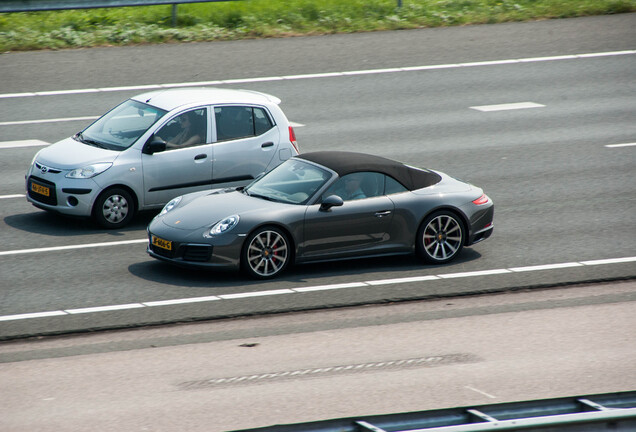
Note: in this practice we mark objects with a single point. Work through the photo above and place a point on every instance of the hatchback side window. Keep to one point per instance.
(185, 130)
(262, 122)
(234, 122)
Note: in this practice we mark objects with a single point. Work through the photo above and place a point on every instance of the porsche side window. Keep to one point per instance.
(392, 186)
(357, 186)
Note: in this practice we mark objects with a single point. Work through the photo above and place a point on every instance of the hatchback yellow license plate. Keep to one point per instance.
(163, 244)
(39, 189)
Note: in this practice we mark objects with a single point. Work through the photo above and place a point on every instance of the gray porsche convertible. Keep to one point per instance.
(323, 206)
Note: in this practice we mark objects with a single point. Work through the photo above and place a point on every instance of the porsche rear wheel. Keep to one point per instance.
(440, 237)
(266, 253)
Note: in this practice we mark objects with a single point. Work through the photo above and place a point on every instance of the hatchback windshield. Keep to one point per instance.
(293, 182)
(119, 128)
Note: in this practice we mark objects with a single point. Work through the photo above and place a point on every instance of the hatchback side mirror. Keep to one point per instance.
(331, 201)
(154, 145)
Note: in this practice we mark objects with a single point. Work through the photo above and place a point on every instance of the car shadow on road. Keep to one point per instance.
(404, 265)
(168, 274)
(52, 224)
(302, 275)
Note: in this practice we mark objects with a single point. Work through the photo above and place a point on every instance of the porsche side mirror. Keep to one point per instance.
(331, 201)
(154, 145)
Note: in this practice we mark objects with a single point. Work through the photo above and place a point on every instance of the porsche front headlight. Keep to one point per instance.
(171, 204)
(223, 226)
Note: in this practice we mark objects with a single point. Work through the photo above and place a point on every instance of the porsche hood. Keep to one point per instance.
(210, 207)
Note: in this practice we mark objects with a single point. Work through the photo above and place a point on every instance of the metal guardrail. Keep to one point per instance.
(610, 411)
(50, 5)
(7, 6)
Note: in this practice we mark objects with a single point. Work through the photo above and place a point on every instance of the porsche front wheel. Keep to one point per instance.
(266, 253)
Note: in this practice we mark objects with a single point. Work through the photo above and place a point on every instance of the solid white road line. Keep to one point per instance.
(35, 143)
(69, 247)
(104, 308)
(54, 120)
(507, 106)
(474, 273)
(12, 196)
(22, 143)
(321, 75)
(237, 296)
(32, 315)
(621, 145)
(546, 267)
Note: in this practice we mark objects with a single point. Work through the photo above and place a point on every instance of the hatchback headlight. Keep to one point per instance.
(223, 226)
(171, 204)
(89, 171)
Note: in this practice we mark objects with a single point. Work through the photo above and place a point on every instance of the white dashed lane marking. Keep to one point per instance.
(507, 106)
(621, 145)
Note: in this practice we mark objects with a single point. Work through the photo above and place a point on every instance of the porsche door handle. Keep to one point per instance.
(267, 144)
(200, 156)
(382, 213)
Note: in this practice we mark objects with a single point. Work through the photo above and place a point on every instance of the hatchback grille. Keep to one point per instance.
(43, 168)
(51, 199)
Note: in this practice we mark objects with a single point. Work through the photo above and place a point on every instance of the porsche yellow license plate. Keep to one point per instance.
(39, 189)
(163, 244)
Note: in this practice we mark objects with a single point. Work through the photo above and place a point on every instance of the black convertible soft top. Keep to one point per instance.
(347, 162)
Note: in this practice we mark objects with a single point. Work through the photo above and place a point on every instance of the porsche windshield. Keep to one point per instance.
(119, 128)
(293, 182)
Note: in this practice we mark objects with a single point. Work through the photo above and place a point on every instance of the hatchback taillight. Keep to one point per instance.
(292, 138)
(481, 200)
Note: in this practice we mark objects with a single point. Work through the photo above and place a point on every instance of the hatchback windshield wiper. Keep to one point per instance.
(88, 141)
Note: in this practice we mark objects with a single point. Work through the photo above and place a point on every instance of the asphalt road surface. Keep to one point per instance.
(560, 167)
(351, 362)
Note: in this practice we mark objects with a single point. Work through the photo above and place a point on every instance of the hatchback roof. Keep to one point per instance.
(348, 162)
(170, 99)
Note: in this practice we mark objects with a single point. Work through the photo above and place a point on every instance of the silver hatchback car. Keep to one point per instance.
(159, 145)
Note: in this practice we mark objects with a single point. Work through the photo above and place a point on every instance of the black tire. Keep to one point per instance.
(266, 253)
(440, 237)
(114, 208)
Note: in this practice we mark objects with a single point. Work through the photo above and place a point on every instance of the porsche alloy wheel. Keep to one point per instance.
(267, 253)
(441, 237)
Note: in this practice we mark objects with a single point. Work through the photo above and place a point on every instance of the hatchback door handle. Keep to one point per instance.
(267, 144)
(382, 213)
(200, 156)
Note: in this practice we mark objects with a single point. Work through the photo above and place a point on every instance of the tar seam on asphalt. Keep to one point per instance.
(430, 361)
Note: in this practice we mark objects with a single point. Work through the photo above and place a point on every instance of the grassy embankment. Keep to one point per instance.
(273, 18)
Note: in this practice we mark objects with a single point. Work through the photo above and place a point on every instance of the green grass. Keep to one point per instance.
(272, 18)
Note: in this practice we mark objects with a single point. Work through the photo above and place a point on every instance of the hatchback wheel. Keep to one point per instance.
(440, 237)
(114, 208)
(266, 253)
